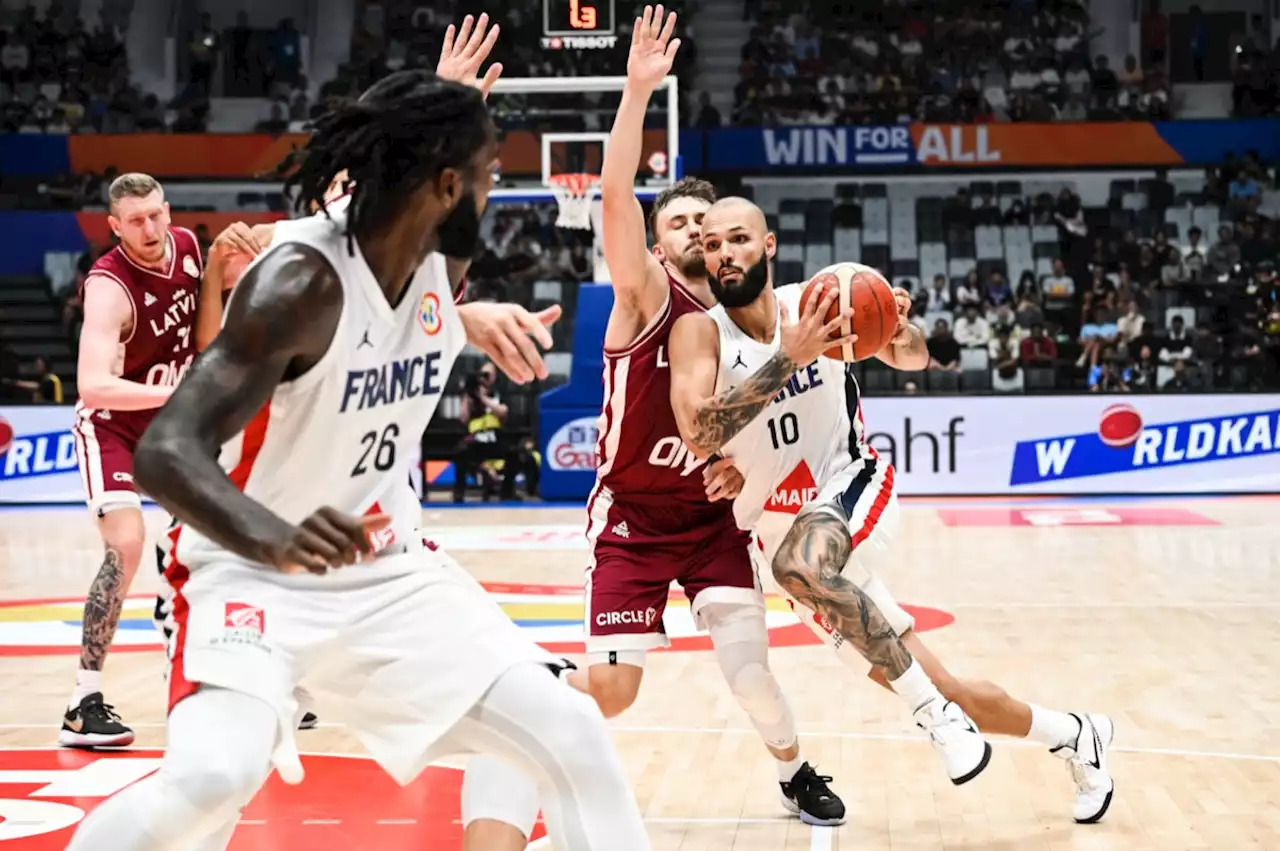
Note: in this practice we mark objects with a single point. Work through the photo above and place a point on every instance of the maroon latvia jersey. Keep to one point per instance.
(640, 456)
(161, 344)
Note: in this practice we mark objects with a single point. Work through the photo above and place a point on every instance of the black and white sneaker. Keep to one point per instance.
(93, 724)
(309, 721)
(808, 796)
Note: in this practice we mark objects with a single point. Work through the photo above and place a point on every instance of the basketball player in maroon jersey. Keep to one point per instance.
(656, 514)
(140, 303)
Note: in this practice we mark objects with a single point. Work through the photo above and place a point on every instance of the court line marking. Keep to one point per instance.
(729, 731)
(823, 839)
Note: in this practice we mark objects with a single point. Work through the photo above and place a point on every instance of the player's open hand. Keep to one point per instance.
(722, 480)
(510, 336)
(327, 539)
(903, 299)
(465, 50)
(812, 334)
(237, 238)
(652, 48)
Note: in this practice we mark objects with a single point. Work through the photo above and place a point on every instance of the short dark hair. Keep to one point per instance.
(685, 187)
(401, 133)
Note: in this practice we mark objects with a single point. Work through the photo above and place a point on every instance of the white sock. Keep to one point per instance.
(87, 682)
(1053, 728)
(787, 769)
(915, 687)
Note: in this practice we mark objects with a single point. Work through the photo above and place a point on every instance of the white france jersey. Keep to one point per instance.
(811, 431)
(346, 433)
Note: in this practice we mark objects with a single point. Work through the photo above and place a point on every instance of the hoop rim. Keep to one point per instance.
(574, 183)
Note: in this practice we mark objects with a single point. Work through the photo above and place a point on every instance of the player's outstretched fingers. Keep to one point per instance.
(505, 354)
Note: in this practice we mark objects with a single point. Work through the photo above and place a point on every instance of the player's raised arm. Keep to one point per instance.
(635, 272)
(710, 420)
(108, 312)
(263, 341)
(908, 350)
(464, 50)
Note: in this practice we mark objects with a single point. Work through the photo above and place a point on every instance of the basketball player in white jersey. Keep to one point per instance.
(300, 562)
(749, 385)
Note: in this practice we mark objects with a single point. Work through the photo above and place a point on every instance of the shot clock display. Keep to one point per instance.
(566, 18)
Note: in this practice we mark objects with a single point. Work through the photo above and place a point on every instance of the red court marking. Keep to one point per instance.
(352, 794)
(1055, 517)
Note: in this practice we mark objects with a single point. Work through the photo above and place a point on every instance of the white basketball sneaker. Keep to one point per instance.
(1087, 759)
(956, 737)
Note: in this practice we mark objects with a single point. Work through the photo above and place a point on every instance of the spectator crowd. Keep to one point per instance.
(889, 61)
(1132, 308)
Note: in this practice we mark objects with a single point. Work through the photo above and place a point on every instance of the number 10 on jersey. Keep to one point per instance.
(784, 430)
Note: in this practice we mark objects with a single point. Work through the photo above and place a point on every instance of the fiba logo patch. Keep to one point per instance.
(429, 314)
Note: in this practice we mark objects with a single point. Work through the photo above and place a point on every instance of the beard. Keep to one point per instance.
(693, 264)
(746, 291)
(459, 233)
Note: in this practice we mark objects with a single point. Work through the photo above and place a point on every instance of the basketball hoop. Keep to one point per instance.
(573, 192)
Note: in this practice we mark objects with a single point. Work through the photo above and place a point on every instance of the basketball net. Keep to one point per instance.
(574, 191)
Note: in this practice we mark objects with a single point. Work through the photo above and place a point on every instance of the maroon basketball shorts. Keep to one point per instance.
(105, 453)
(638, 550)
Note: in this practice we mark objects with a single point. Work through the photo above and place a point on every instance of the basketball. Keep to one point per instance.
(875, 311)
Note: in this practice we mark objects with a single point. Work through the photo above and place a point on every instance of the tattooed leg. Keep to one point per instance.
(808, 567)
(102, 610)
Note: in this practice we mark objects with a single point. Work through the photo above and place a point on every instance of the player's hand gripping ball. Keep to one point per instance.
(875, 310)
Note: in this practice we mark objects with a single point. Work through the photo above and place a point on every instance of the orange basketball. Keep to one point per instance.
(875, 312)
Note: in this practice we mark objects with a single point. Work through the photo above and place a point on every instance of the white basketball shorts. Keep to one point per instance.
(398, 649)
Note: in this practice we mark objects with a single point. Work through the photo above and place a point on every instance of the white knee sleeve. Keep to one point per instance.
(219, 754)
(741, 640)
(496, 790)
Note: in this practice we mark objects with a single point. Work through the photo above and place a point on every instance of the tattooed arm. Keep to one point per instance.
(807, 566)
(708, 420)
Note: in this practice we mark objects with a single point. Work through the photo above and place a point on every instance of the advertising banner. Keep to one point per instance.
(1048, 445)
(987, 146)
(1011, 446)
(939, 445)
(40, 462)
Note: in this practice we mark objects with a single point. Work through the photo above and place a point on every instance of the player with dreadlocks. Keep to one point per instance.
(300, 563)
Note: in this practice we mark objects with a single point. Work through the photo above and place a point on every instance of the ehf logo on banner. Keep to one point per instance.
(1124, 443)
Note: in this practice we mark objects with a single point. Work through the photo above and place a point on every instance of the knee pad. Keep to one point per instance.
(495, 790)
(741, 640)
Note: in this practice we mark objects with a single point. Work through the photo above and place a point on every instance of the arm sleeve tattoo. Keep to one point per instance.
(807, 566)
(721, 417)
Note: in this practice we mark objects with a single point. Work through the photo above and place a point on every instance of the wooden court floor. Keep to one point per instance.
(1163, 614)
